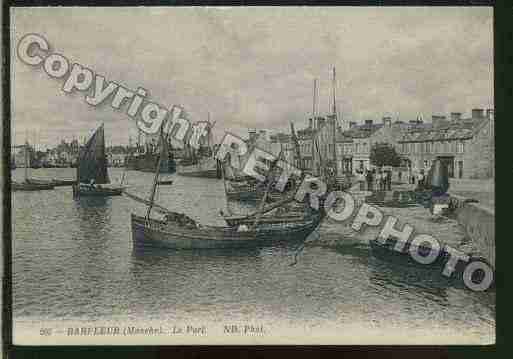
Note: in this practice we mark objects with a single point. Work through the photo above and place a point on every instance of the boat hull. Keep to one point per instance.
(165, 182)
(157, 234)
(96, 192)
(55, 183)
(31, 186)
(234, 221)
(207, 169)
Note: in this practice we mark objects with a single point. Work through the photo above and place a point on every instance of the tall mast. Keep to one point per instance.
(335, 121)
(269, 179)
(314, 164)
(157, 172)
(314, 100)
(209, 144)
(26, 155)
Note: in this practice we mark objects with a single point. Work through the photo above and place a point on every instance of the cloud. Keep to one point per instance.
(254, 67)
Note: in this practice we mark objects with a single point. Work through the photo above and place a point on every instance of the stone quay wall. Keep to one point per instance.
(479, 224)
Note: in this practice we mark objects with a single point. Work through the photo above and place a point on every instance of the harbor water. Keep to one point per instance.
(73, 261)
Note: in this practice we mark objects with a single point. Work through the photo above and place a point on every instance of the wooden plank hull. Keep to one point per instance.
(206, 169)
(55, 182)
(96, 192)
(15, 186)
(191, 172)
(233, 221)
(244, 195)
(159, 234)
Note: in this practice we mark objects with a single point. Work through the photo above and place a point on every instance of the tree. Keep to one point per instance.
(384, 154)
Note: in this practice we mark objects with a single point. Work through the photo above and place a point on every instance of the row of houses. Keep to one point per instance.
(65, 154)
(466, 145)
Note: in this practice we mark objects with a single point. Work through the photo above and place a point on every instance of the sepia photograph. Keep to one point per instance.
(252, 175)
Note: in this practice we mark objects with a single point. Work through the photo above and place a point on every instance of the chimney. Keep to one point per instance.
(489, 113)
(252, 135)
(368, 122)
(310, 123)
(387, 121)
(455, 116)
(477, 113)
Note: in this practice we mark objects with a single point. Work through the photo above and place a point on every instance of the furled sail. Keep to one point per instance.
(92, 164)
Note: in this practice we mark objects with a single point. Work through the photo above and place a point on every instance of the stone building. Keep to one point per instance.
(466, 145)
(361, 136)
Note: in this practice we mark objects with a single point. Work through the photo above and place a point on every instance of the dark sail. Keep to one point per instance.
(92, 163)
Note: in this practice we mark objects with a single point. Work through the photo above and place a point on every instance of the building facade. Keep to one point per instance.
(466, 145)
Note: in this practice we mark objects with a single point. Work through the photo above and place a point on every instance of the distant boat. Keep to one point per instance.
(29, 184)
(200, 162)
(204, 167)
(145, 162)
(92, 170)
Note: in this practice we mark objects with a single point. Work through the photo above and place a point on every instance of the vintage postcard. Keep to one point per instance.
(252, 175)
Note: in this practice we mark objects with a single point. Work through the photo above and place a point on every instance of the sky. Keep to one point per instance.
(254, 67)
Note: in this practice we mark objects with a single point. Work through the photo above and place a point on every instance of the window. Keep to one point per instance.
(461, 147)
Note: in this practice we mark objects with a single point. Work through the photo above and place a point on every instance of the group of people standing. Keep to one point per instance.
(374, 180)
(418, 178)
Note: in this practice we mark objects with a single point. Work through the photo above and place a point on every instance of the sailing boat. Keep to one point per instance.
(55, 182)
(145, 161)
(92, 169)
(201, 163)
(28, 184)
(178, 231)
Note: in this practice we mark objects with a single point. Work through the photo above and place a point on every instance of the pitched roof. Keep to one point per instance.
(448, 130)
(362, 131)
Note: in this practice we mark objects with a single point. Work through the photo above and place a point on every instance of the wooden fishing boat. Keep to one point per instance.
(387, 252)
(238, 220)
(177, 231)
(200, 162)
(165, 182)
(203, 167)
(92, 173)
(28, 184)
(24, 186)
(54, 182)
(145, 162)
(175, 235)
(243, 191)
